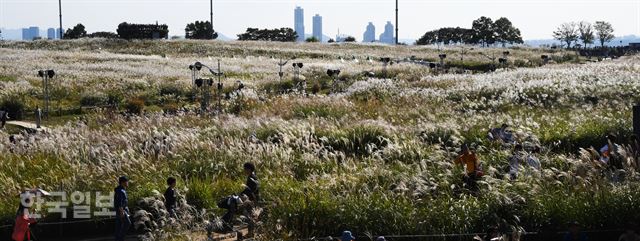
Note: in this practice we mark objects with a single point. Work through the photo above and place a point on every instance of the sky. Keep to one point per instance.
(537, 19)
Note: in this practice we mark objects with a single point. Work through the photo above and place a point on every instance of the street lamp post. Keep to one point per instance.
(397, 22)
(60, 11)
(46, 75)
(212, 16)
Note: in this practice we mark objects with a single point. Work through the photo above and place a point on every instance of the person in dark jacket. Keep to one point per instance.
(575, 234)
(170, 197)
(4, 116)
(252, 189)
(120, 204)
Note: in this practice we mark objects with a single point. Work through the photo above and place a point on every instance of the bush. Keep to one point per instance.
(14, 106)
(93, 99)
(135, 106)
(172, 90)
(114, 98)
(358, 141)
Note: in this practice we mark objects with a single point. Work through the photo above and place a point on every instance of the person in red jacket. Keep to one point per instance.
(23, 220)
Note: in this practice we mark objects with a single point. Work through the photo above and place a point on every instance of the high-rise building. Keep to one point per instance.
(299, 23)
(58, 33)
(30, 33)
(317, 27)
(388, 35)
(51, 33)
(369, 35)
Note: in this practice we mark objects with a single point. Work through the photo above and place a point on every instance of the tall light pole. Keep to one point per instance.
(60, 11)
(212, 16)
(396, 22)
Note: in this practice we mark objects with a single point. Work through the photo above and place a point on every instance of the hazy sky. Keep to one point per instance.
(536, 18)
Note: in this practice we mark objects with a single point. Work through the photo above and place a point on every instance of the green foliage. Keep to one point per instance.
(312, 40)
(484, 31)
(278, 86)
(78, 31)
(279, 35)
(356, 141)
(107, 35)
(14, 107)
(322, 111)
(200, 30)
(93, 99)
(130, 31)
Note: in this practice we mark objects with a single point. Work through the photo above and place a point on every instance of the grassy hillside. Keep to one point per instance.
(374, 157)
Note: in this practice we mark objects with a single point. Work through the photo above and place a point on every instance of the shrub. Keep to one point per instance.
(114, 98)
(172, 90)
(135, 106)
(278, 86)
(93, 99)
(358, 141)
(14, 106)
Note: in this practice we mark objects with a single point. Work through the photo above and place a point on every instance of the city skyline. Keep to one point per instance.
(527, 15)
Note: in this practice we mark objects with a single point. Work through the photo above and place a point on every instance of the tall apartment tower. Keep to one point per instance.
(369, 35)
(317, 27)
(299, 23)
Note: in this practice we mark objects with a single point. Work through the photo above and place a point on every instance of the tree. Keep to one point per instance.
(483, 31)
(331, 40)
(566, 33)
(280, 35)
(200, 30)
(506, 33)
(586, 33)
(428, 38)
(76, 32)
(103, 35)
(312, 40)
(143, 31)
(604, 31)
(349, 39)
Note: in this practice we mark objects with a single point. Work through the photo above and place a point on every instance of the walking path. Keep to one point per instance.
(27, 125)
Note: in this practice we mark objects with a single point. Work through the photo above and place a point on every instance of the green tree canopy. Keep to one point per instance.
(506, 33)
(483, 31)
(279, 35)
(200, 30)
(76, 32)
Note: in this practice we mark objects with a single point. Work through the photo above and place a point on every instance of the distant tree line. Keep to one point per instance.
(484, 31)
(584, 33)
(278, 35)
(143, 31)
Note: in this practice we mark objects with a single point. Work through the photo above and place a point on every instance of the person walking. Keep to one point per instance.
(252, 185)
(120, 202)
(170, 196)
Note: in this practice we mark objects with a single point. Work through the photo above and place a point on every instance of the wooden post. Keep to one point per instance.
(636, 120)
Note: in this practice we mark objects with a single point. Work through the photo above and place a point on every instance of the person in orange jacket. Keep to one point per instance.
(473, 169)
(23, 219)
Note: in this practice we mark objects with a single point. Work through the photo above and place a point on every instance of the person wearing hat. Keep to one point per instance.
(346, 236)
(120, 204)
